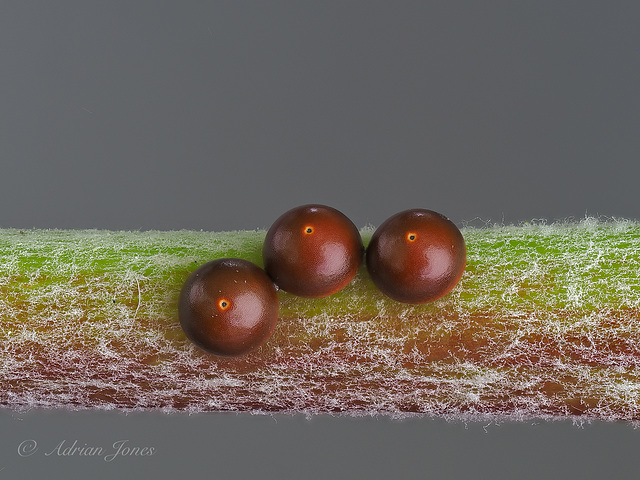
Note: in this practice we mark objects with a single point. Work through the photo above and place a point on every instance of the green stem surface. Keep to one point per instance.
(544, 324)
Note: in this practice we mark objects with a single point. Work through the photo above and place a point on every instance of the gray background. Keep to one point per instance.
(222, 115)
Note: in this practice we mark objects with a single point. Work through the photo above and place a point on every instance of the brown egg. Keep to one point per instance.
(312, 251)
(416, 256)
(228, 307)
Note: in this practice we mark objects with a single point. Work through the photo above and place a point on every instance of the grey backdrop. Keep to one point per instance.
(222, 115)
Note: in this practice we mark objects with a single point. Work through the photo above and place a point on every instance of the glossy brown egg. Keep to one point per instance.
(416, 256)
(312, 251)
(228, 307)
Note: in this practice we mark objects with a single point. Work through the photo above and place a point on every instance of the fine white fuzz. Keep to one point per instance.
(545, 323)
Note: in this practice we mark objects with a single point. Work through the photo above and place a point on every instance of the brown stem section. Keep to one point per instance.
(458, 366)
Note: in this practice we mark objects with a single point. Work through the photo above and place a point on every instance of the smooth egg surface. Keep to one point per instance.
(312, 251)
(416, 256)
(228, 307)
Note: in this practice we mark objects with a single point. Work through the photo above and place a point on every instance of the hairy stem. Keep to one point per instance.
(543, 324)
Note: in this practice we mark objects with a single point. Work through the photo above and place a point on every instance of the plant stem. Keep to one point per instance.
(543, 324)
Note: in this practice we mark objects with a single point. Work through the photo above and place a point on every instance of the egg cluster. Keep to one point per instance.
(230, 306)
